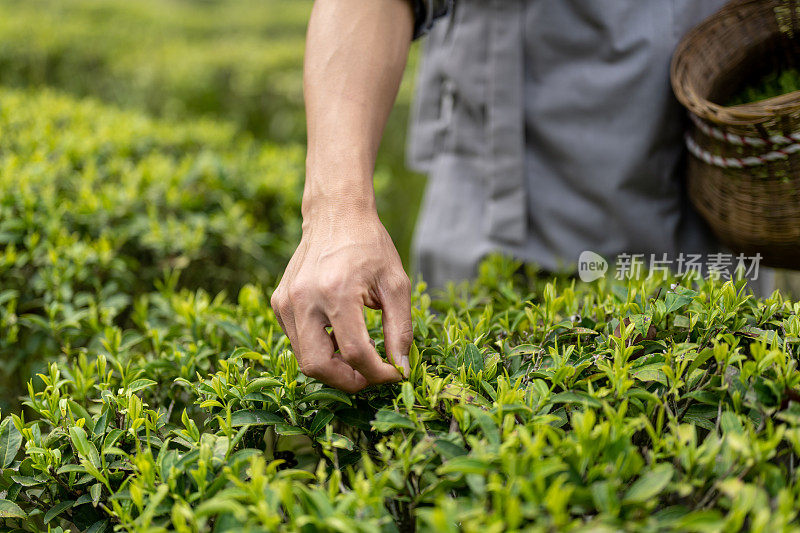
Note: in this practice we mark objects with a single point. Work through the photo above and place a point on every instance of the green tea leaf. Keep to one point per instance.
(340, 441)
(57, 509)
(98, 527)
(82, 445)
(140, 384)
(650, 484)
(28, 481)
(254, 418)
(11, 510)
(576, 397)
(730, 423)
(464, 465)
(448, 450)
(10, 441)
(679, 298)
(473, 359)
(321, 419)
(407, 391)
(386, 421)
(261, 383)
(462, 393)
(288, 430)
(327, 394)
(96, 491)
(651, 372)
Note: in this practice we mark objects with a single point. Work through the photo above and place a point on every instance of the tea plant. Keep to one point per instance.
(96, 204)
(238, 62)
(536, 404)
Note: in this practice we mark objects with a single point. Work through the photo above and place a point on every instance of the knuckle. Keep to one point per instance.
(332, 285)
(284, 309)
(352, 351)
(406, 335)
(400, 284)
(277, 302)
(297, 292)
(311, 369)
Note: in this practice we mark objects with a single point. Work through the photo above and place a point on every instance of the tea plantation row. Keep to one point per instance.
(240, 62)
(97, 205)
(527, 408)
(163, 405)
(135, 263)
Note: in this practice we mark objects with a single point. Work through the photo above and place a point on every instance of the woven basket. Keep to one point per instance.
(744, 171)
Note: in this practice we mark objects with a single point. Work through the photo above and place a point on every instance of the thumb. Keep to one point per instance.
(398, 331)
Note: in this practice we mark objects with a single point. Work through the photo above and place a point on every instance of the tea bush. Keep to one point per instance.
(532, 404)
(97, 204)
(241, 62)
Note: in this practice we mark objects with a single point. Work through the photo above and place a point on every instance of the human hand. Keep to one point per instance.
(345, 261)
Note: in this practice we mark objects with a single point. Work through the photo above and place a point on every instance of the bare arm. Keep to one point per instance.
(356, 52)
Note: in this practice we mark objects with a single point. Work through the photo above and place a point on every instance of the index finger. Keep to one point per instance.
(398, 330)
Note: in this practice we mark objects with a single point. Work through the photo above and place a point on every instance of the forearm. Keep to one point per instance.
(356, 53)
(355, 56)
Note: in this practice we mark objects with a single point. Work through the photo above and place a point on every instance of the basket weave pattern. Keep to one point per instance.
(752, 209)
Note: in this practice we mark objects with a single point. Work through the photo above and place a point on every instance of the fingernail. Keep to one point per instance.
(406, 364)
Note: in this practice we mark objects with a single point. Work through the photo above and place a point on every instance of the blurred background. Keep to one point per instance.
(234, 61)
(237, 62)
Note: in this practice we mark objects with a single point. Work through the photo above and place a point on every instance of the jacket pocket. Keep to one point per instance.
(464, 92)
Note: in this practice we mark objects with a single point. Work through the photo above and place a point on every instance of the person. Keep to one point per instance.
(546, 127)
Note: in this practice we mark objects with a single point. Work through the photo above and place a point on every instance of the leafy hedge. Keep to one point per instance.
(240, 62)
(97, 205)
(533, 404)
(528, 407)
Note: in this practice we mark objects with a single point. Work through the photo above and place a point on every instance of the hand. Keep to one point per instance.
(345, 261)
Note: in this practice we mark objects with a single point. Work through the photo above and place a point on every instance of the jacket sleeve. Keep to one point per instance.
(426, 12)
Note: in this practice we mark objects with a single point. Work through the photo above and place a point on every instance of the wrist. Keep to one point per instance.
(332, 205)
(342, 200)
(337, 188)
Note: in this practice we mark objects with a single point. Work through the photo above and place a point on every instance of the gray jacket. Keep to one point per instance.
(548, 127)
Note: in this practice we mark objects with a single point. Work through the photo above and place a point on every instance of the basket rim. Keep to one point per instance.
(750, 114)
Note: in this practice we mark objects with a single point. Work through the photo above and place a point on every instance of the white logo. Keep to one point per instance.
(591, 267)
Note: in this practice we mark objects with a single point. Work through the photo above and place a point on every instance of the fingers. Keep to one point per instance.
(336, 344)
(315, 356)
(284, 316)
(398, 331)
(306, 302)
(355, 347)
(315, 348)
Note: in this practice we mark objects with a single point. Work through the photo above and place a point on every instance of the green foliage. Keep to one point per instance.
(97, 204)
(526, 409)
(162, 405)
(776, 83)
(238, 61)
